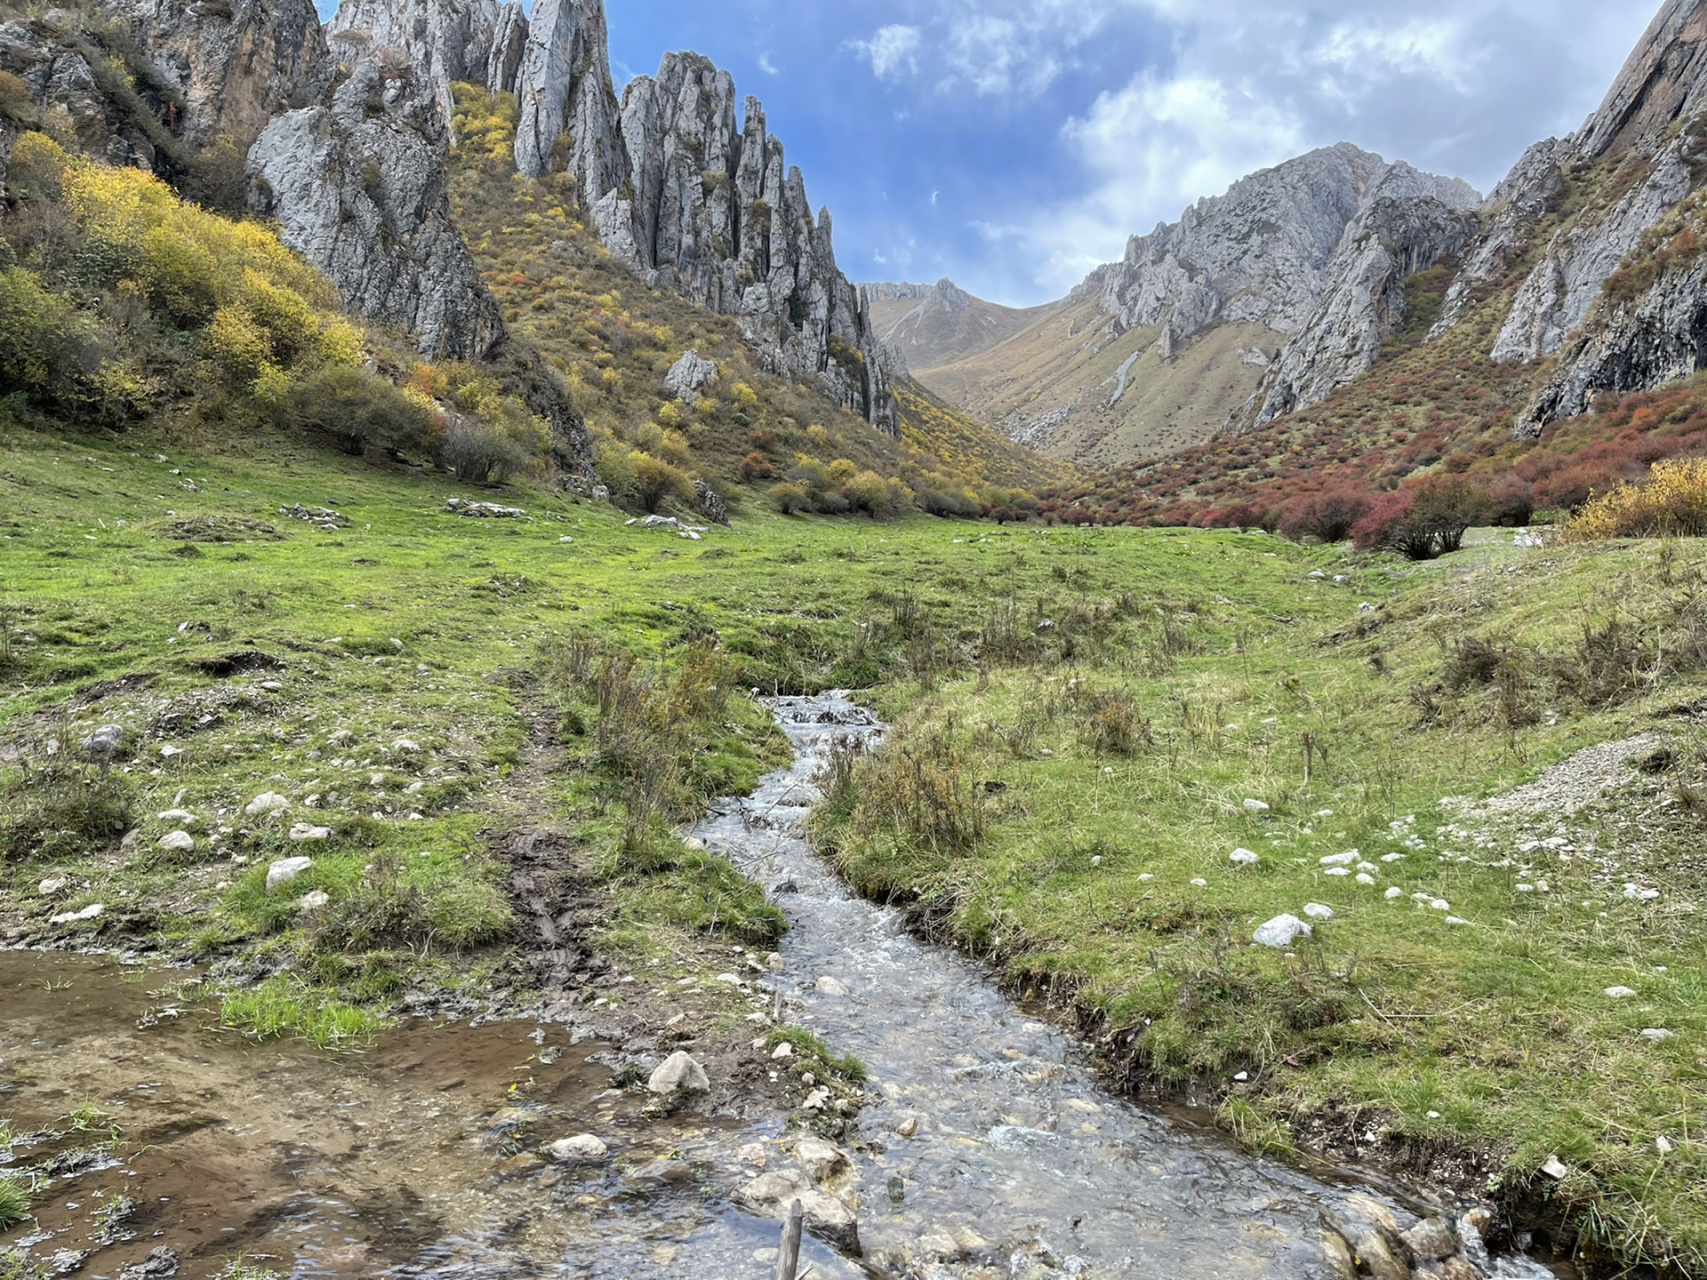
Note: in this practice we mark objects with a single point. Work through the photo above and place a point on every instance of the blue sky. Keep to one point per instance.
(1014, 144)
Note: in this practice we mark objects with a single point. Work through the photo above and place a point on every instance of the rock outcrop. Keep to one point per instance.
(479, 41)
(1261, 253)
(1393, 238)
(234, 64)
(565, 84)
(358, 187)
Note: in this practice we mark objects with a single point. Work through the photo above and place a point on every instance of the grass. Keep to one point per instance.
(14, 1202)
(1085, 710)
(1095, 870)
(286, 1007)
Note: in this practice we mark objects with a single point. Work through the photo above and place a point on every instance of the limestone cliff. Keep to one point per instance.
(479, 41)
(358, 187)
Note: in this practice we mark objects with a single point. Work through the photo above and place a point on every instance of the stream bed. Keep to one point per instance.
(399, 1161)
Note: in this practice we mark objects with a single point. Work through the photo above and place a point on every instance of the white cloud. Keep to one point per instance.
(767, 66)
(891, 50)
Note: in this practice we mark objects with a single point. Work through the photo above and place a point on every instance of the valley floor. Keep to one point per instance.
(1088, 725)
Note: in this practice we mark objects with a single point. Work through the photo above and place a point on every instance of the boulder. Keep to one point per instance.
(690, 376)
(302, 831)
(105, 741)
(676, 1073)
(359, 188)
(772, 1195)
(177, 842)
(821, 1160)
(582, 1149)
(285, 870)
(1281, 932)
(1431, 1239)
(268, 802)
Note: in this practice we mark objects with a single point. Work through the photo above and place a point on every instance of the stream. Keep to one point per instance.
(1020, 1162)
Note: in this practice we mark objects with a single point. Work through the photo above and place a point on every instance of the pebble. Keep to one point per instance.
(583, 1148)
(404, 746)
(832, 986)
(1395, 893)
(1244, 858)
(177, 842)
(1256, 806)
(308, 831)
(908, 1128)
(170, 753)
(678, 1071)
(1341, 859)
(178, 817)
(782, 1052)
(1620, 993)
(314, 900)
(1365, 878)
(1316, 911)
(52, 885)
(1201, 884)
(1658, 1035)
(1555, 1168)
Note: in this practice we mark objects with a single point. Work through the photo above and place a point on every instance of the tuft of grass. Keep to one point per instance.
(14, 1201)
(286, 1007)
(239, 1268)
(813, 1055)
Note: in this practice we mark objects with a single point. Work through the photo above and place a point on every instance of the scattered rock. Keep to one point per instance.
(67, 1262)
(820, 1160)
(582, 1149)
(754, 1154)
(782, 1052)
(832, 986)
(177, 842)
(160, 1262)
(1338, 1256)
(1431, 1239)
(1555, 1168)
(772, 1194)
(1620, 993)
(53, 884)
(1341, 859)
(265, 803)
(678, 1072)
(313, 900)
(1243, 858)
(170, 753)
(482, 510)
(909, 1127)
(817, 1100)
(1316, 911)
(94, 911)
(105, 741)
(1379, 1259)
(179, 818)
(285, 870)
(308, 831)
(405, 747)
(1394, 894)
(1282, 931)
(1658, 1035)
(1256, 806)
(321, 517)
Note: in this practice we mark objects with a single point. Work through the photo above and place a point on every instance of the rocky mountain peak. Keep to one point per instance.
(479, 41)
(1663, 80)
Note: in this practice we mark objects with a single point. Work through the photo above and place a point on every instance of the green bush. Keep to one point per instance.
(43, 341)
(655, 480)
(480, 455)
(63, 809)
(361, 411)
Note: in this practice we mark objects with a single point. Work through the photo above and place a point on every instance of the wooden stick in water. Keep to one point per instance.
(788, 1261)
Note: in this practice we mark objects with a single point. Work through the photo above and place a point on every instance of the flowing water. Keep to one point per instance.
(389, 1162)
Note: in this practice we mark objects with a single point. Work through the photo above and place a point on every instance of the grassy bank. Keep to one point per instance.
(1082, 715)
(1076, 822)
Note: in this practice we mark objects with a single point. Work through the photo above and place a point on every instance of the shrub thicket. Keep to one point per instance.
(1671, 503)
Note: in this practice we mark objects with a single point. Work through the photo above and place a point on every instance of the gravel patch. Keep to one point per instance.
(1574, 784)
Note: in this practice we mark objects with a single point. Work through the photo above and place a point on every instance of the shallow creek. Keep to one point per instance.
(386, 1162)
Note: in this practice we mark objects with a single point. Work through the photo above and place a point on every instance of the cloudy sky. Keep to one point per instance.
(1015, 144)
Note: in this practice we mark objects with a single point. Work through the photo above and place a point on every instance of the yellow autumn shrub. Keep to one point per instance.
(1671, 503)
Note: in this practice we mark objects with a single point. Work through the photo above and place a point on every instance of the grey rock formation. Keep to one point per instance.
(1663, 80)
(359, 189)
(1262, 252)
(1577, 264)
(565, 83)
(689, 376)
(479, 41)
(1363, 304)
(711, 210)
(236, 64)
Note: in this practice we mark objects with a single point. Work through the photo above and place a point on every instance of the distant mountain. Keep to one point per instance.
(929, 325)
(1156, 352)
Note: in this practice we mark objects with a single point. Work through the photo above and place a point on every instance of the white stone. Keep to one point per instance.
(94, 911)
(1395, 893)
(1366, 879)
(820, 1160)
(1439, 904)
(1316, 911)
(1282, 931)
(1662, 1145)
(753, 1154)
(1256, 806)
(832, 986)
(1201, 884)
(1341, 859)
(782, 1052)
(285, 870)
(177, 842)
(678, 1072)
(1244, 858)
(584, 1148)
(1658, 1035)
(1337, 871)
(265, 803)
(179, 817)
(313, 900)
(404, 746)
(308, 831)
(169, 753)
(1392, 857)
(1555, 1168)
(52, 885)
(1620, 993)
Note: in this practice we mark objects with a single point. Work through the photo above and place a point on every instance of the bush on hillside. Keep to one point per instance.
(480, 455)
(1672, 503)
(1329, 516)
(1423, 521)
(361, 412)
